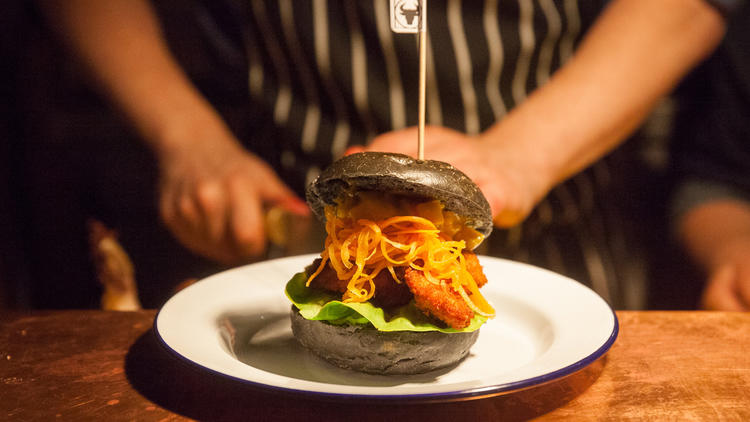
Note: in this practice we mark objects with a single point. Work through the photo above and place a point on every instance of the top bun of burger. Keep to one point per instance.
(399, 174)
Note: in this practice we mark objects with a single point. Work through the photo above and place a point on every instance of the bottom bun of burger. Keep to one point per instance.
(365, 349)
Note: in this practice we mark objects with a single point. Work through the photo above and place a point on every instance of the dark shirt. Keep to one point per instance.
(711, 146)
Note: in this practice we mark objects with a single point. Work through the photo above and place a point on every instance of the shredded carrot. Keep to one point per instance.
(359, 248)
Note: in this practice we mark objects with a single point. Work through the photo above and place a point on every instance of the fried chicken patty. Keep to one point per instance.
(437, 301)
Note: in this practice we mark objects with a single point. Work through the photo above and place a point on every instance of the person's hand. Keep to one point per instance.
(511, 187)
(717, 235)
(728, 286)
(212, 197)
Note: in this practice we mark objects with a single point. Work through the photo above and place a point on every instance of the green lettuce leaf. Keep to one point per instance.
(314, 304)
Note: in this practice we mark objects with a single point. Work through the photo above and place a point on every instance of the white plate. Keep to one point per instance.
(547, 326)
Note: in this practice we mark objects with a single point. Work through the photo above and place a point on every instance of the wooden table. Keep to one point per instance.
(96, 365)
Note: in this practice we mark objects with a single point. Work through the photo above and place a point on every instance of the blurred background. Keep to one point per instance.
(69, 162)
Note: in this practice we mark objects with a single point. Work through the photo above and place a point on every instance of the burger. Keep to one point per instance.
(396, 287)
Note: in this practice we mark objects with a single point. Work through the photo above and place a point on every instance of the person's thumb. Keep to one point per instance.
(354, 149)
(504, 214)
(274, 193)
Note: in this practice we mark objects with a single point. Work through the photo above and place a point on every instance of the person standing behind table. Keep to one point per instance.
(330, 74)
(711, 150)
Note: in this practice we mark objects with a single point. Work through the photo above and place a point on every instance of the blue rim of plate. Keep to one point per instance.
(447, 396)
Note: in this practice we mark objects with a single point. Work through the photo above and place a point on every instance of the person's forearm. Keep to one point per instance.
(121, 42)
(635, 54)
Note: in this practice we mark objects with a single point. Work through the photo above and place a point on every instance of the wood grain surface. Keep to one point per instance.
(98, 365)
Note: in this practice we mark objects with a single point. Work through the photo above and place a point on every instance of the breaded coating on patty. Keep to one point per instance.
(439, 301)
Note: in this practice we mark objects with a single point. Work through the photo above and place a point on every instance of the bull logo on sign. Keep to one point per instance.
(409, 14)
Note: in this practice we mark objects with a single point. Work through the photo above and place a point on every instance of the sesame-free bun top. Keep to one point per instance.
(400, 174)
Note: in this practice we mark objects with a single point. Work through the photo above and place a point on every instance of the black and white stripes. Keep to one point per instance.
(483, 59)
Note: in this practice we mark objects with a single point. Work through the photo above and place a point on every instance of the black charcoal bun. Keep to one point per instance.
(400, 174)
(365, 349)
